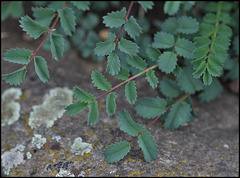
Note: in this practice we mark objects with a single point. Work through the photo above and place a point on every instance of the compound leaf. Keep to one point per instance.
(169, 88)
(146, 4)
(93, 113)
(171, 7)
(82, 5)
(185, 48)
(75, 108)
(131, 92)
(151, 78)
(163, 40)
(106, 47)
(148, 146)
(115, 19)
(127, 125)
(122, 74)
(137, 62)
(179, 114)
(15, 77)
(31, 27)
(132, 27)
(201, 51)
(167, 62)
(68, 20)
(43, 15)
(150, 107)
(128, 47)
(207, 78)
(100, 81)
(83, 96)
(153, 53)
(200, 70)
(116, 151)
(113, 66)
(20, 56)
(187, 25)
(41, 68)
(111, 103)
(57, 46)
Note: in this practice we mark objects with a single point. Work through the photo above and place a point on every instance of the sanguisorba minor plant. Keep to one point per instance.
(192, 49)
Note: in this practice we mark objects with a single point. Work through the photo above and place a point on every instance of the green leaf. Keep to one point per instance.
(224, 30)
(170, 25)
(128, 47)
(152, 79)
(15, 77)
(41, 68)
(132, 27)
(123, 74)
(171, 7)
(131, 92)
(211, 92)
(146, 4)
(31, 27)
(220, 53)
(116, 151)
(111, 103)
(83, 96)
(213, 69)
(201, 41)
(20, 56)
(167, 62)
(137, 62)
(150, 107)
(106, 47)
(169, 88)
(153, 53)
(201, 69)
(127, 125)
(82, 5)
(57, 46)
(113, 66)
(100, 81)
(185, 48)
(43, 15)
(222, 41)
(75, 108)
(163, 40)
(201, 52)
(206, 29)
(115, 19)
(207, 78)
(187, 83)
(148, 146)
(187, 25)
(93, 113)
(68, 20)
(179, 114)
(210, 18)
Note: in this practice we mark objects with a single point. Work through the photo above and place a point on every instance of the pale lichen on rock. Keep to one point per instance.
(10, 109)
(80, 148)
(64, 173)
(38, 140)
(52, 108)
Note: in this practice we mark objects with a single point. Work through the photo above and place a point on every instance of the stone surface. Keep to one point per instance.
(208, 146)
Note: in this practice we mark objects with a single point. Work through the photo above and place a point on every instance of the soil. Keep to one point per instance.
(208, 146)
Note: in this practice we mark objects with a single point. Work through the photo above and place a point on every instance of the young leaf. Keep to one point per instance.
(68, 20)
(115, 19)
(185, 48)
(131, 92)
(113, 66)
(123, 74)
(106, 47)
(111, 103)
(100, 81)
(127, 125)
(187, 83)
(200, 70)
(150, 107)
(31, 27)
(137, 62)
(57, 46)
(207, 78)
(171, 7)
(132, 27)
(20, 56)
(146, 4)
(148, 146)
(163, 40)
(82, 5)
(179, 114)
(93, 113)
(43, 15)
(75, 108)
(153, 53)
(83, 96)
(152, 79)
(167, 62)
(116, 151)
(128, 47)
(169, 88)
(200, 52)
(187, 25)
(41, 68)
(15, 77)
